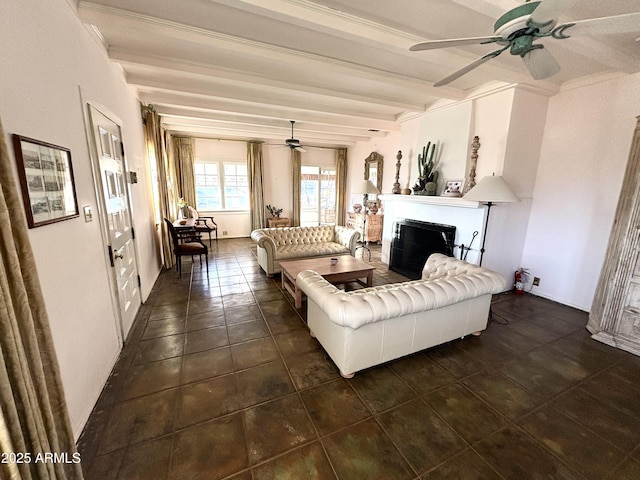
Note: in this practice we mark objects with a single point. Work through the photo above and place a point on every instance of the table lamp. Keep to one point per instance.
(366, 188)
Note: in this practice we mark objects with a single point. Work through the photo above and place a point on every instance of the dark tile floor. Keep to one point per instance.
(220, 380)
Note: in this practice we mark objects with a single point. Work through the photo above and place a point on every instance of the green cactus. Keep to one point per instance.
(427, 174)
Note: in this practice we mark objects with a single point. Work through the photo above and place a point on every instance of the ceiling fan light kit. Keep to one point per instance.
(520, 27)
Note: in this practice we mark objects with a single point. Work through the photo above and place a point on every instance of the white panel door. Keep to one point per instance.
(114, 194)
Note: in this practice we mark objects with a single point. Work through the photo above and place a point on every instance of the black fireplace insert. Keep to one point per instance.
(414, 240)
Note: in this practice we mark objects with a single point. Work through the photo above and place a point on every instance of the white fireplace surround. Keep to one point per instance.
(503, 248)
(467, 216)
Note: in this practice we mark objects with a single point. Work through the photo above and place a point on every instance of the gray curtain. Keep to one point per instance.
(155, 142)
(341, 185)
(256, 191)
(184, 157)
(33, 411)
(296, 171)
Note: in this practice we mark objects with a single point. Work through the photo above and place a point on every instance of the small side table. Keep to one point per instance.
(278, 222)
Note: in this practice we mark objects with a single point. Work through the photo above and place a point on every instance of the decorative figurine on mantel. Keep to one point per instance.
(396, 185)
(471, 182)
(427, 174)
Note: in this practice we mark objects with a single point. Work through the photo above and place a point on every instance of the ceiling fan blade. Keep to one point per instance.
(453, 42)
(300, 149)
(603, 26)
(550, 10)
(541, 63)
(469, 67)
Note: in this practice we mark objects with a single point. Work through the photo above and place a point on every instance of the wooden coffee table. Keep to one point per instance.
(348, 269)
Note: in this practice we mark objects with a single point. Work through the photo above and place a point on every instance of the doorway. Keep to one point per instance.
(317, 196)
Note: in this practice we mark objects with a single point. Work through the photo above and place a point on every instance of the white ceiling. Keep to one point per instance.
(241, 69)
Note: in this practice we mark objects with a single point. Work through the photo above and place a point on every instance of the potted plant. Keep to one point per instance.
(274, 212)
(428, 175)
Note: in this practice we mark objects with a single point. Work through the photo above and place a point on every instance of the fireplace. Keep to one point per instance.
(414, 240)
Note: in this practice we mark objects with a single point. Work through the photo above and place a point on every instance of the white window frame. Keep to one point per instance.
(221, 162)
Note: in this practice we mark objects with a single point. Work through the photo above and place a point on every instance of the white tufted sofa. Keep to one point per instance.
(366, 327)
(275, 245)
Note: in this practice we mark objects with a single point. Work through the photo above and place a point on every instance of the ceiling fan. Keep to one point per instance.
(519, 28)
(293, 143)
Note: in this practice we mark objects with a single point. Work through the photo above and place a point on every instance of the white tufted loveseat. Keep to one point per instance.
(275, 245)
(366, 327)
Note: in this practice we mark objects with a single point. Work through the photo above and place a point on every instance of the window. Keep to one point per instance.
(236, 186)
(317, 196)
(221, 185)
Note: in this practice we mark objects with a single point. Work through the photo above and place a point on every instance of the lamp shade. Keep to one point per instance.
(366, 187)
(491, 189)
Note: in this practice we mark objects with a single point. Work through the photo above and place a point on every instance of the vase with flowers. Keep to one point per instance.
(182, 209)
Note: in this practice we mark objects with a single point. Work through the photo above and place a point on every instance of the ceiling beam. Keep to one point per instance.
(281, 126)
(258, 131)
(159, 97)
(100, 15)
(257, 100)
(211, 72)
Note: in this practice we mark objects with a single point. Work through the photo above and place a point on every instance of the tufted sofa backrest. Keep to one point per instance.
(448, 281)
(301, 235)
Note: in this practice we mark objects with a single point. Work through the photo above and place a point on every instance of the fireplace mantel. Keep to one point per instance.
(430, 200)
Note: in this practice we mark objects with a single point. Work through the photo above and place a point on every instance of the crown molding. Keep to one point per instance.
(591, 80)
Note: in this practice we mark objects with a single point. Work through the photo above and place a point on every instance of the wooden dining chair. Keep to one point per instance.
(204, 224)
(187, 243)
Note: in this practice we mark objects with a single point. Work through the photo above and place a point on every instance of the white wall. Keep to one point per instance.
(585, 149)
(513, 152)
(449, 128)
(47, 58)
(278, 179)
(387, 147)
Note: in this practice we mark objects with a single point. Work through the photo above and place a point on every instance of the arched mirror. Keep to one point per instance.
(373, 169)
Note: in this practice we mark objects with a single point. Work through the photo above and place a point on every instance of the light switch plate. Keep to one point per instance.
(88, 215)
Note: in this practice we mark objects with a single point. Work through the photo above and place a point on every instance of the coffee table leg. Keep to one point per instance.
(370, 279)
(298, 297)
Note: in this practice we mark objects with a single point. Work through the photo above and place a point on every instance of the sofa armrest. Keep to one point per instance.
(347, 237)
(265, 241)
(439, 265)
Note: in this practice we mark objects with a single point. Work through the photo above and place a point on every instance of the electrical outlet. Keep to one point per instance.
(224, 232)
(536, 281)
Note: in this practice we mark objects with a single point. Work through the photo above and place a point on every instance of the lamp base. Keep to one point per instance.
(364, 247)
